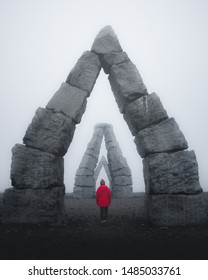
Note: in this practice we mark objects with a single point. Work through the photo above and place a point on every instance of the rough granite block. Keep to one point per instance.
(106, 41)
(163, 137)
(50, 132)
(144, 112)
(113, 58)
(85, 72)
(34, 169)
(69, 100)
(79, 192)
(171, 173)
(126, 83)
(33, 206)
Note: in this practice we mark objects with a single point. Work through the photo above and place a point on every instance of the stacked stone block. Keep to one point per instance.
(84, 179)
(116, 168)
(119, 170)
(37, 169)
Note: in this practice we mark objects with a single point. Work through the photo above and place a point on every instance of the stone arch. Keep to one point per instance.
(102, 164)
(170, 170)
(119, 171)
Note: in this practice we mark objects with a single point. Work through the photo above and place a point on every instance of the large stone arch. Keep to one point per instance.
(170, 170)
(119, 171)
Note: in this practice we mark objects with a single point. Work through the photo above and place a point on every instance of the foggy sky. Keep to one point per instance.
(42, 40)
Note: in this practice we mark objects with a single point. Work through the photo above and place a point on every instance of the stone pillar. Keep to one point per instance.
(169, 169)
(119, 170)
(84, 179)
(37, 170)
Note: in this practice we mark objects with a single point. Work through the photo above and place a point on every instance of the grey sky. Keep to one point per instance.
(41, 40)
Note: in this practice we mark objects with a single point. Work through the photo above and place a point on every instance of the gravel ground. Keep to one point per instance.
(124, 236)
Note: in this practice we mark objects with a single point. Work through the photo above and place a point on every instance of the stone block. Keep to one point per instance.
(50, 132)
(125, 171)
(79, 192)
(144, 112)
(122, 191)
(35, 169)
(93, 148)
(84, 181)
(34, 206)
(171, 173)
(113, 58)
(163, 137)
(106, 41)
(178, 210)
(88, 162)
(84, 172)
(98, 132)
(85, 72)
(116, 160)
(69, 100)
(126, 84)
(122, 180)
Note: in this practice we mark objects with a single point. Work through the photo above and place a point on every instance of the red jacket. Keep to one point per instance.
(103, 196)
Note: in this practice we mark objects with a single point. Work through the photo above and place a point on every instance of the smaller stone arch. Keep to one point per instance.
(103, 163)
(119, 171)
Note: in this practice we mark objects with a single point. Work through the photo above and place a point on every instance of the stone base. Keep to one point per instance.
(34, 206)
(178, 210)
(122, 191)
(171, 173)
(83, 192)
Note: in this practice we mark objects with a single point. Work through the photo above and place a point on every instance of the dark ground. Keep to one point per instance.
(125, 236)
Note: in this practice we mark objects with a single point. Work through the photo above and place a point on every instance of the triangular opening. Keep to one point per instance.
(102, 175)
(101, 107)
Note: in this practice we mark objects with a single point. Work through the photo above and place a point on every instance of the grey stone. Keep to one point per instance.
(171, 173)
(122, 191)
(116, 160)
(98, 132)
(178, 210)
(34, 206)
(70, 101)
(122, 180)
(84, 172)
(84, 181)
(126, 84)
(106, 41)
(88, 162)
(50, 132)
(113, 58)
(93, 148)
(79, 192)
(85, 72)
(163, 137)
(144, 112)
(125, 171)
(34, 169)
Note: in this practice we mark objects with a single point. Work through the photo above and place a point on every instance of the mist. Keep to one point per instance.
(42, 40)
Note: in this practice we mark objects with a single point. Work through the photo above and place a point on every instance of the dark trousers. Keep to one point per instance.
(103, 213)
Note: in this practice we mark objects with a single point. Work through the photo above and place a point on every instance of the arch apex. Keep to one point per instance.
(106, 41)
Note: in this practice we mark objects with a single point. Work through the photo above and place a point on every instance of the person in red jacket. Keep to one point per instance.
(103, 200)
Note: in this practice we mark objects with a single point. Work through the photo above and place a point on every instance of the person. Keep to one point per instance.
(103, 200)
